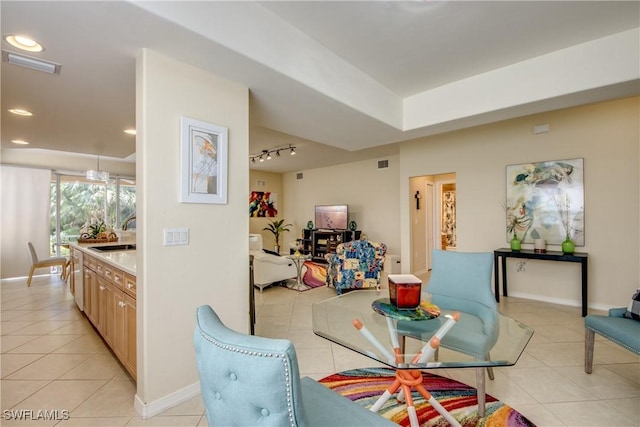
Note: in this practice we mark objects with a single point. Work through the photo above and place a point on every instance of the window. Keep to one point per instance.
(82, 201)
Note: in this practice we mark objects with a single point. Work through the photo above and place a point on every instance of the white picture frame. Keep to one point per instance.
(204, 158)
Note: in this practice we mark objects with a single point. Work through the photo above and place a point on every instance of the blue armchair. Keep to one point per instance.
(462, 281)
(614, 327)
(356, 265)
(249, 380)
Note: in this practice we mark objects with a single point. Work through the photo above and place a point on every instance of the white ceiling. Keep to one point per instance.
(340, 80)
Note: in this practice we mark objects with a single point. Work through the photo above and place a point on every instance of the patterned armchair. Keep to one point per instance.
(356, 265)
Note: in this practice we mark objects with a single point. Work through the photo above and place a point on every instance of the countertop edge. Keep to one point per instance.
(84, 247)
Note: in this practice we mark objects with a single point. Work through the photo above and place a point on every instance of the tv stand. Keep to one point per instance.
(319, 242)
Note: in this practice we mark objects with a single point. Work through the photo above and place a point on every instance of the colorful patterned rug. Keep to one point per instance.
(315, 275)
(366, 385)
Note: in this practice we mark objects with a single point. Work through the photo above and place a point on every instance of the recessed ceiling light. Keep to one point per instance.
(130, 131)
(19, 141)
(20, 112)
(24, 43)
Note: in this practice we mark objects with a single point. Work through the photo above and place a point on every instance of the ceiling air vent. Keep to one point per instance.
(383, 164)
(299, 175)
(32, 63)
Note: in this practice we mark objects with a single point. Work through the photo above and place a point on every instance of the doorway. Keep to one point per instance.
(432, 218)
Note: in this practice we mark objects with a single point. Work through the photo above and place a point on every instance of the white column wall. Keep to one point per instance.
(214, 267)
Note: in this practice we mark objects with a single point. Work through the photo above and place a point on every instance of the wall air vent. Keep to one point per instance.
(299, 175)
(32, 63)
(383, 164)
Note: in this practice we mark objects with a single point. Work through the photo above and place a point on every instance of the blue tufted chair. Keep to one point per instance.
(615, 327)
(249, 380)
(356, 265)
(462, 281)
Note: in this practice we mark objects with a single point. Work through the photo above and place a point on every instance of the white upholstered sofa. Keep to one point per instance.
(268, 268)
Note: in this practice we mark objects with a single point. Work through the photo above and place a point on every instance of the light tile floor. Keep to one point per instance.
(52, 359)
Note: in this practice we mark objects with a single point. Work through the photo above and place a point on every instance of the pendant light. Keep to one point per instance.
(98, 175)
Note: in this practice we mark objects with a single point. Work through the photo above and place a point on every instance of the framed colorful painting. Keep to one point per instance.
(263, 204)
(545, 200)
(203, 175)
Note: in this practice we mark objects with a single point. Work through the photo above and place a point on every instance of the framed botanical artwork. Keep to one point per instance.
(203, 172)
(545, 200)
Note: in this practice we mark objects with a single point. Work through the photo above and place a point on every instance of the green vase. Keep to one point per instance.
(516, 244)
(567, 246)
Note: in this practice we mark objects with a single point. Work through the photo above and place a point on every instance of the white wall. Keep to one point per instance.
(214, 268)
(371, 193)
(25, 196)
(606, 135)
(271, 182)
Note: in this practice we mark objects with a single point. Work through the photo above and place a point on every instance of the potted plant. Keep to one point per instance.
(276, 227)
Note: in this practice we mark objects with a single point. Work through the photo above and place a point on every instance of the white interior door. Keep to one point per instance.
(429, 221)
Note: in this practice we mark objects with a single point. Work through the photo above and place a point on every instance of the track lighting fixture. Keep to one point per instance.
(267, 154)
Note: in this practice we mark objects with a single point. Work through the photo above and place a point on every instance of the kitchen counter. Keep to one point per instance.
(124, 260)
(104, 287)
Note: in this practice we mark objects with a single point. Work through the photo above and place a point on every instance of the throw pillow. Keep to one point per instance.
(633, 311)
(267, 251)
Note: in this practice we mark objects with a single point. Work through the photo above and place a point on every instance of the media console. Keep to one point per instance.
(318, 243)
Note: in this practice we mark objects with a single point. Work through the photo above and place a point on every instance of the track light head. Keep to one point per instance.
(269, 154)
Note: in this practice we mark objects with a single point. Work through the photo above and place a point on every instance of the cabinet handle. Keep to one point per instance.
(121, 304)
(102, 288)
(129, 285)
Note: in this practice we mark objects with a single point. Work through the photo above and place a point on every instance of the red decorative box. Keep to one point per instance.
(404, 291)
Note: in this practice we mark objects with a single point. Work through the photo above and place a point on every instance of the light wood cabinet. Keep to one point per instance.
(90, 296)
(110, 305)
(129, 314)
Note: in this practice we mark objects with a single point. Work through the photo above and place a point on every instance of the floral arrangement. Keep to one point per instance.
(563, 205)
(96, 232)
(518, 219)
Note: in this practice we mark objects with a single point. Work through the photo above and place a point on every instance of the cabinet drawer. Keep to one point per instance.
(118, 278)
(90, 262)
(100, 268)
(114, 275)
(130, 286)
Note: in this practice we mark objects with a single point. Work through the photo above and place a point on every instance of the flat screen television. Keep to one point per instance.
(331, 217)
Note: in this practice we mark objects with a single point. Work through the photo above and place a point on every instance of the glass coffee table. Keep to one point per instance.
(365, 322)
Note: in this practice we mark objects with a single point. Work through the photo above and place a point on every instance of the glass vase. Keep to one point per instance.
(567, 246)
(516, 244)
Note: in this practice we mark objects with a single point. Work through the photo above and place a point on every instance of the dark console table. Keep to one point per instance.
(504, 253)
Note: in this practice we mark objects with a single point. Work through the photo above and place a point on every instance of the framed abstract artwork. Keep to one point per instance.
(545, 200)
(203, 174)
(263, 204)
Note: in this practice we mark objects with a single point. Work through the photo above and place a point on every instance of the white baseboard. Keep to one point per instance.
(148, 410)
(559, 301)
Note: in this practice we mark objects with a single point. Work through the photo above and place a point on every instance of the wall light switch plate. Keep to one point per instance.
(175, 236)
